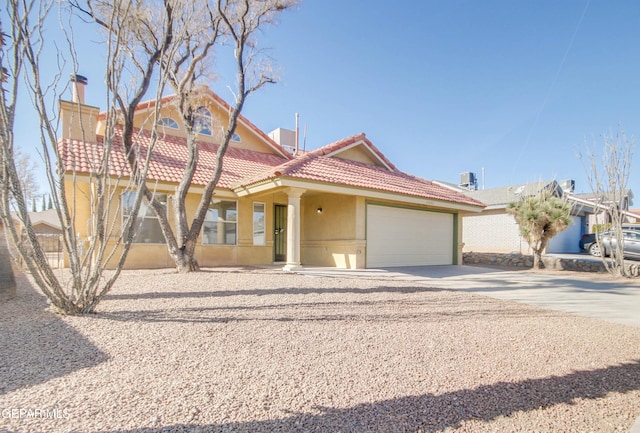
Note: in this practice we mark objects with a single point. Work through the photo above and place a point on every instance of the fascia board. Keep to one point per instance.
(349, 190)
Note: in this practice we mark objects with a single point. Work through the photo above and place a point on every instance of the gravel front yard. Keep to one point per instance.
(255, 350)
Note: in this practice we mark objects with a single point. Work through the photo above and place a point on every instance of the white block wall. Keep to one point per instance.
(495, 232)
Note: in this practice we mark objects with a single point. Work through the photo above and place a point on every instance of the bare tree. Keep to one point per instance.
(608, 176)
(205, 26)
(540, 217)
(21, 62)
(26, 169)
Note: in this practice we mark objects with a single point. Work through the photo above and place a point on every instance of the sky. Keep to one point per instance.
(510, 90)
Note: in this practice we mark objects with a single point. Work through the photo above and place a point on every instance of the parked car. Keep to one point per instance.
(631, 239)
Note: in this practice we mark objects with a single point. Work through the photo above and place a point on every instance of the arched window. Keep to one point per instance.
(168, 122)
(236, 137)
(202, 123)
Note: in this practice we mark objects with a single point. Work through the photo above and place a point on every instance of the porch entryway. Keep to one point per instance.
(280, 233)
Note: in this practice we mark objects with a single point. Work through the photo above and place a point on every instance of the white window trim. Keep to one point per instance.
(164, 125)
(208, 117)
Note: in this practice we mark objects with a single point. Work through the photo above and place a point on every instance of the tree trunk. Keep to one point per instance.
(537, 260)
(7, 279)
(185, 260)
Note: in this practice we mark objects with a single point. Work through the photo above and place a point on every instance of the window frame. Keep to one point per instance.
(264, 223)
(163, 122)
(202, 115)
(205, 240)
(145, 213)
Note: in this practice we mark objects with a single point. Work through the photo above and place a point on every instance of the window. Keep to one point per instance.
(147, 228)
(236, 137)
(258, 224)
(168, 122)
(202, 122)
(220, 224)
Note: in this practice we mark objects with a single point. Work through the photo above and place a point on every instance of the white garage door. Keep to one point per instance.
(407, 237)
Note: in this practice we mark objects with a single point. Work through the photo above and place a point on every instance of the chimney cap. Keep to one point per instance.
(77, 78)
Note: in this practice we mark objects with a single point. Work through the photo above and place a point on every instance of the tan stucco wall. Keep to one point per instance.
(249, 140)
(335, 237)
(358, 155)
(156, 255)
(79, 122)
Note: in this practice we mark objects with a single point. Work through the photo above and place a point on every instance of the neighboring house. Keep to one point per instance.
(495, 231)
(46, 222)
(344, 204)
(634, 217)
(601, 216)
(46, 225)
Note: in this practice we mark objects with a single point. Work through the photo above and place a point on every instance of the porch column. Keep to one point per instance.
(293, 229)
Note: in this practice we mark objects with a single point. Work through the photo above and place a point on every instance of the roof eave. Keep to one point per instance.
(282, 181)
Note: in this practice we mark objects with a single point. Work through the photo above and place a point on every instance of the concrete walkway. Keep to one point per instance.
(585, 294)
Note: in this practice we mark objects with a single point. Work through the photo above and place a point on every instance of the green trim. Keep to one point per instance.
(456, 236)
(366, 232)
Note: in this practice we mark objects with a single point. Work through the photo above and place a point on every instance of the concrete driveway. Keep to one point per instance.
(584, 294)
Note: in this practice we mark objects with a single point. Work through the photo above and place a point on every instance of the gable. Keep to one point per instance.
(325, 169)
(250, 137)
(359, 153)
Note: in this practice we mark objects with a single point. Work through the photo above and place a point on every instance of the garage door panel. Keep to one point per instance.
(407, 237)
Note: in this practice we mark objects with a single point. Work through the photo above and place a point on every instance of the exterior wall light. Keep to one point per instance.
(319, 210)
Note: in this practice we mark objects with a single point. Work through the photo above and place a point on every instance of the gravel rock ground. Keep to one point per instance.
(255, 350)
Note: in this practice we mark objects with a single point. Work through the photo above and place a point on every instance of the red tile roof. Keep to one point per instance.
(316, 166)
(168, 159)
(242, 167)
(208, 92)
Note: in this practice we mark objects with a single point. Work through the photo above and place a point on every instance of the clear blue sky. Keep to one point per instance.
(444, 87)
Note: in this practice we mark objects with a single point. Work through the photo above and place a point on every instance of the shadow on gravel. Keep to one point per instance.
(387, 310)
(276, 291)
(272, 313)
(36, 345)
(431, 413)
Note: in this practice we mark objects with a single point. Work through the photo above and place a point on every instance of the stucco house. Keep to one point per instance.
(495, 231)
(342, 205)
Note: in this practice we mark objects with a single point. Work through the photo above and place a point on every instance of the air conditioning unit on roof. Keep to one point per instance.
(468, 181)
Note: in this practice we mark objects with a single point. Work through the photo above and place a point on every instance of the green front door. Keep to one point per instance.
(280, 233)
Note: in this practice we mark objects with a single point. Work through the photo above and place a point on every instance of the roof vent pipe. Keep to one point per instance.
(77, 88)
(295, 149)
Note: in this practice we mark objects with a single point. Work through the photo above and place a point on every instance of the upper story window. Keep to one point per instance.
(236, 137)
(202, 123)
(168, 122)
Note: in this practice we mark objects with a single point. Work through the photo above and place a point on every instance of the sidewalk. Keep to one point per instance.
(589, 295)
